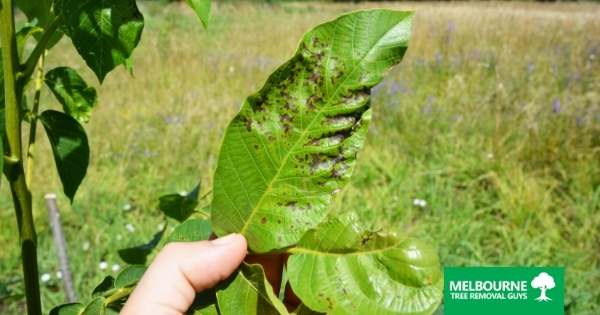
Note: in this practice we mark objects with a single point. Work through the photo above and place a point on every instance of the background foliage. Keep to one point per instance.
(493, 120)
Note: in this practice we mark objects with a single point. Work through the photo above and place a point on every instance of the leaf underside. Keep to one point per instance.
(340, 268)
(294, 143)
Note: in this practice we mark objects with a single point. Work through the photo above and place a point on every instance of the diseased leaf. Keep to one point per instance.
(108, 283)
(191, 230)
(249, 293)
(68, 309)
(138, 255)
(95, 307)
(76, 97)
(294, 143)
(129, 276)
(179, 206)
(202, 9)
(340, 268)
(70, 147)
(103, 32)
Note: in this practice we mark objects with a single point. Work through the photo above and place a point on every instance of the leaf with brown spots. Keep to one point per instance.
(294, 143)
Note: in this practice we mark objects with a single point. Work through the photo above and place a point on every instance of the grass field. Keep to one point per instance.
(493, 119)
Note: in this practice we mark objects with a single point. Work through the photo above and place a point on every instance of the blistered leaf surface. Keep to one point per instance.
(294, 143)
(340, 268)
(76, 97)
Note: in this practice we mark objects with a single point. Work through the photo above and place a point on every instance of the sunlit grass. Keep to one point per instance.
(493, 119)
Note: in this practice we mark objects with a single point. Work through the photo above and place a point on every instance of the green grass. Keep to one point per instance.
(493, 119)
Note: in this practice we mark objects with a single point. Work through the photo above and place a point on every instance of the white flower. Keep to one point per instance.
(130, 227)
(127, 207)
(103, 265)
(85, 246)
(419, 202)
(45, 277)
(115, 267)
(58, 275)
(160, 227)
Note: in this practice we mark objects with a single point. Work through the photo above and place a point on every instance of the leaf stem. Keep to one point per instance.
(118, 294)
(39, 81)
(39, 50)
(15, 174)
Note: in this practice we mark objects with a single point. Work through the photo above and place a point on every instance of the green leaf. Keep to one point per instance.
(138, 255)
(340, 268)
(294, 143)
(96, 307)
(202, 9)
(40, 12)
(208, 310)
(76, 97)
(67, 309)
(129, 276)
(304, 310)
(103, 32)
(23, 35)
(108, 283)
(191, 230)
(70, 147)
(179, 206)
(249, 293)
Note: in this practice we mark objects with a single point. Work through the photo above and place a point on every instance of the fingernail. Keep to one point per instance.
(225, 240)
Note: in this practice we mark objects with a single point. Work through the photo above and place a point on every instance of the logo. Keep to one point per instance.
(503, 290)
(543, 282)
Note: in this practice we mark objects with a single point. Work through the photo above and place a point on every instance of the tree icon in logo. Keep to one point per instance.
(543, 282)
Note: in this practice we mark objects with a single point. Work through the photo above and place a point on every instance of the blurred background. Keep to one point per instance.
(485, 140)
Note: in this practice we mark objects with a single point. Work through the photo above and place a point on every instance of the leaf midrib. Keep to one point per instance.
(303, 134)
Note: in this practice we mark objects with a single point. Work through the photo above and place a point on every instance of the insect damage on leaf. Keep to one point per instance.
(294, 143)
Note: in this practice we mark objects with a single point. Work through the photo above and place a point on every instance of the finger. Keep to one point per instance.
(182, 269)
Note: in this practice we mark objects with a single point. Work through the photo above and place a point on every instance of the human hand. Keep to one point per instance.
(180, 270)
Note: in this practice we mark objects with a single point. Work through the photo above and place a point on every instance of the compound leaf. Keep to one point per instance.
(137, 255)
(191, 230)
(179, 206)
(40, 12)
(67, 309)
(107, 284)
(294, 143)
(103, 32)
(249, 293)
(202, 9)
(76, 97)
(70, 147)
(129, 276)
(96, 307)
(23, 35)
(340, 268)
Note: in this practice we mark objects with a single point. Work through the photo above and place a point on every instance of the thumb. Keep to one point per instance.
(180, 270)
